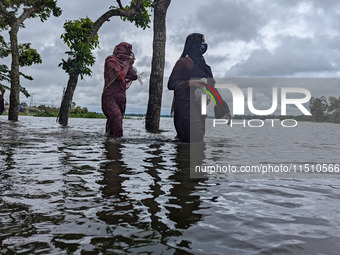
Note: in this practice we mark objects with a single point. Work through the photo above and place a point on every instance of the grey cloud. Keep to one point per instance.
(292, 56)
(214, 60)
(290, 4)
(178, 39)
(168, 65)
(232, 20)
(326, 4)
(144, 61)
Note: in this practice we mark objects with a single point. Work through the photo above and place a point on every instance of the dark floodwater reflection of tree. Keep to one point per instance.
(154, 223)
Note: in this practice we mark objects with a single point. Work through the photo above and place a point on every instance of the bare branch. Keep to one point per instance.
(120, 4)
(28, 12)
(114, 12)
(3, 9)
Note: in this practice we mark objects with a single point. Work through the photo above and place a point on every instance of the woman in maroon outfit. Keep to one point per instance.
(118, 74)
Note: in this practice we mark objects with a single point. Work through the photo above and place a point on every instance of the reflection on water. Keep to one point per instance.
(146, 207)
(76, 191)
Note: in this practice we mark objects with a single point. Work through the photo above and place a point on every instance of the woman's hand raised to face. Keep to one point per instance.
(131, 61)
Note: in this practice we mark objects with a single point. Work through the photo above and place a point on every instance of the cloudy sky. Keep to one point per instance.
(259, 38)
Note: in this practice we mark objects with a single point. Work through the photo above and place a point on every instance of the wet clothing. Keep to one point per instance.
(185, 69)
(116, 84)
(188, 120)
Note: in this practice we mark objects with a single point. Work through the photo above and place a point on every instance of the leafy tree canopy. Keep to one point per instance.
(323, 110)
(27, 57)
(14, 11)
(143, 18)
(43, 10)
(76, 38)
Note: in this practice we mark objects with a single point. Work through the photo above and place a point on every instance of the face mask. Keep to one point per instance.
(203, 48)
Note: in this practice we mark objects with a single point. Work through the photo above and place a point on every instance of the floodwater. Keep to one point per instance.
(75, 191)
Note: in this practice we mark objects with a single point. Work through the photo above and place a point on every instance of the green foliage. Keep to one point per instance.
(48, 113)
(335, 116)
(5, 50)
(92, 115)
(323, 110)
(4, 71)
(44, 8)
(79, 110)
(77, 34)
(48, 108)
(76, 37)
(143, 19)
(28, 56)
(334, 103)
(45, 113)
(317, 107)
(24, 91)
(4, 74)
(76, 112)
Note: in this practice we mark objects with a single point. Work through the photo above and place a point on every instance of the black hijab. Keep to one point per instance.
(192, 49)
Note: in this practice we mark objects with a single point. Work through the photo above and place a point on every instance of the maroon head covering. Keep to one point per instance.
(123, 51)
(115, 63)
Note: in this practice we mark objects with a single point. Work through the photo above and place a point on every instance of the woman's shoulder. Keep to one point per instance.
(186, 61)
(110, 59)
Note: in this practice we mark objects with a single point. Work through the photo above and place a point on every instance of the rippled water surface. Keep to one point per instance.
(75, 191)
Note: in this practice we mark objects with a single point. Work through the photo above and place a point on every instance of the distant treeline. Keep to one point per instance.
(322, 110)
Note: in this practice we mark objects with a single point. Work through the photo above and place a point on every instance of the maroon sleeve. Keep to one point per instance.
(179, 77)
(112, 70)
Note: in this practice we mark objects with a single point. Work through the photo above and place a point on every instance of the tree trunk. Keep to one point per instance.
(67, 99)
(14, 100)
(157, 69)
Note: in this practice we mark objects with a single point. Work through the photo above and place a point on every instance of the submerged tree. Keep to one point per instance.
(318, 108)
(323, 110)
(334, 104)
(334, 109)
(81, 36)
(13, 15)
(157, 70)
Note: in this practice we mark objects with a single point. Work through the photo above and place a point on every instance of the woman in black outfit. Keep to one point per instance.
(184, 80)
